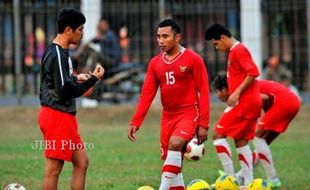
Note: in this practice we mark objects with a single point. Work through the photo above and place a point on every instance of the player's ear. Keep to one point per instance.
(68, 30)
(178, 37)
(223, 37)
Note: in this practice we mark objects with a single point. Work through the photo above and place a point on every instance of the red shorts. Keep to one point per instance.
(182, 124)
(281, 113)
(236, 127)
(60, 131)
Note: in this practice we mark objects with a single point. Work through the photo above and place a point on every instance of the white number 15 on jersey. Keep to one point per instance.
(170, 78)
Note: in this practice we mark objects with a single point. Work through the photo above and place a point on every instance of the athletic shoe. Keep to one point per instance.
(275, 183)
(221, 172)
(239, 177)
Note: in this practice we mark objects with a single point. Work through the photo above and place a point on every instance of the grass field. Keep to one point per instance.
(117, 164)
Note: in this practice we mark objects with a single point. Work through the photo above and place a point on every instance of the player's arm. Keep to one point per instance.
(234, 97)
(65, 84)
(247, 64)
(148, 92)
(202, 84)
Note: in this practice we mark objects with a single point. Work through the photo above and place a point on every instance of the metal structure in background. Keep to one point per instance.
(36, 28)
(284, 24)
(141, 19)
(285, 34)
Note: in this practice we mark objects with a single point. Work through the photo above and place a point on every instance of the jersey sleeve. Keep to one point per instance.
(247, 63)
(202, 84)
(148, 92)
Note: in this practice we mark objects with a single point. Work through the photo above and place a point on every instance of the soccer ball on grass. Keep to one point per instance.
(14, 186)
(146, 187)
(198, 184)
(194, 151)
(226, 182)
(259, 184)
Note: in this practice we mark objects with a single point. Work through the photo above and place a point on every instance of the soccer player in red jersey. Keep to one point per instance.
(184, 88)
(244, 103)
(276, 97)
(280, 105)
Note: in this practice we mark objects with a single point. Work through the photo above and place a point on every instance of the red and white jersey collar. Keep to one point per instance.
(233, 46)
(167, 61)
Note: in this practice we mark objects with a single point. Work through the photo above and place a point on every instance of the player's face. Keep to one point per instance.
(220, 44)
(77, 34)
(222, 94)
(166, 38)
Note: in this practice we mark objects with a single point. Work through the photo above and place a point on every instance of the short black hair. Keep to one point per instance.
(215, 32)
(219, 82)
(169, 22)
(69, 17)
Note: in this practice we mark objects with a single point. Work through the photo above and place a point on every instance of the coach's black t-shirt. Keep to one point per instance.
(59, 88)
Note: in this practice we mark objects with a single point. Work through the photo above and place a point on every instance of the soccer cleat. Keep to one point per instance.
(275, 183)
(221, 172)
(239, 178)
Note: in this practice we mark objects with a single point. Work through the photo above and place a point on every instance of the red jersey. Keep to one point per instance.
(276, 90)
(283, 108)
(241, 65)
(183, 84)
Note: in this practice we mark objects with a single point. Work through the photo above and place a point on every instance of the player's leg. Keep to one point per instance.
(271, 136)
(223, 128)
(53, 169)
(80, 165)
(245, 159)
(173, 164)
(265, 155)
(244, 132)
(175, 137)
(178, 183)
(224, 154)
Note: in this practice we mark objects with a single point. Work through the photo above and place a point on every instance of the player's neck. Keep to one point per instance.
(61, 41)
(170, 55)
(232, 43)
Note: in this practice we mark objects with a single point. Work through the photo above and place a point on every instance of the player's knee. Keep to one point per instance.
(176, 145)
(82, 164)
(52, 172)
(241, 142)
(218, 136)
(53, 167)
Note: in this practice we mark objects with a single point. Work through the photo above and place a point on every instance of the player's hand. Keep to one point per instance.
(98, 72)
(202, 134)
(233, 99)
(131, 133)
(83, 77)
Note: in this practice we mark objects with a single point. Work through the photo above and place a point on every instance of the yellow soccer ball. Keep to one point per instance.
(226, 182)
(259, 184)
(198, 184)
(146, 187)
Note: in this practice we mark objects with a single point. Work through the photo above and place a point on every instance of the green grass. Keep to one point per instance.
(116, 163)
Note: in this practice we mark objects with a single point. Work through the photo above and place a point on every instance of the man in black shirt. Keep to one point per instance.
(58, 91)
